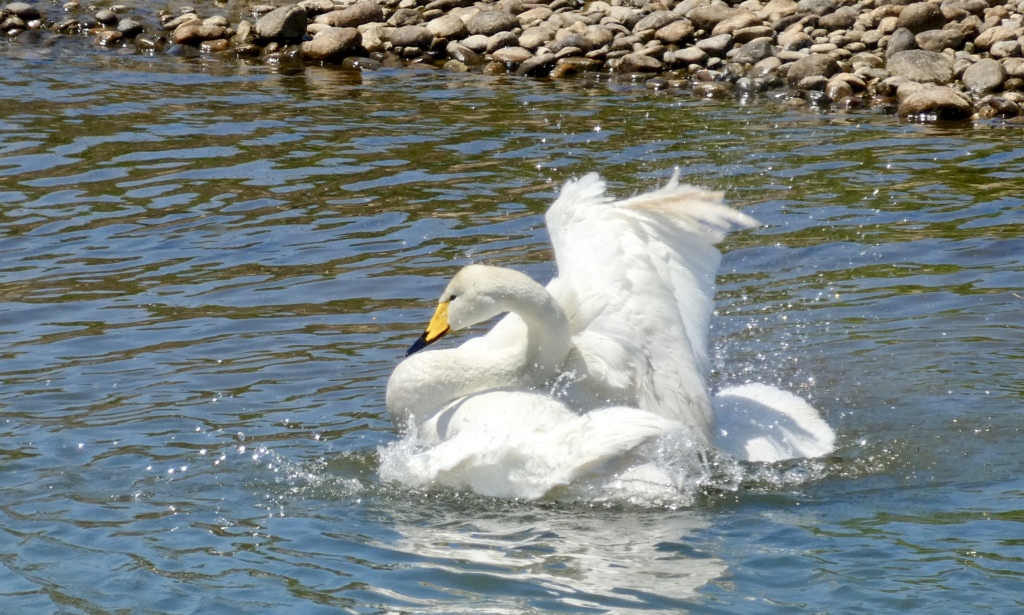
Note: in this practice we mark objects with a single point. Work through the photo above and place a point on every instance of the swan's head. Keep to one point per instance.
(476, 293)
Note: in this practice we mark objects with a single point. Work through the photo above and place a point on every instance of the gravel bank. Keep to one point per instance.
(940, 60)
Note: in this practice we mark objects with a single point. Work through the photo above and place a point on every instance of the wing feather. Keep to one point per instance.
(637, 279)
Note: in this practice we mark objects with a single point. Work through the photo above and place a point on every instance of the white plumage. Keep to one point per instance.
(610, 355)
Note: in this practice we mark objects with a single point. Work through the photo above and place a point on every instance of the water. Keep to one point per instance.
(208, 271)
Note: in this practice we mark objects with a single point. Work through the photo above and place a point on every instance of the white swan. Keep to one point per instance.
(612, 353)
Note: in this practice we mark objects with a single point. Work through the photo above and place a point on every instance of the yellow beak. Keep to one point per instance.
(436, 329)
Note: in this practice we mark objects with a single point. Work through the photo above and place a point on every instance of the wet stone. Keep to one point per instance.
(23, 10)
(106, 17)
(108, 38)
(215, 46)
(194, 33)
(638, 63)
(512, 55)
(130, 28)
(935, 103)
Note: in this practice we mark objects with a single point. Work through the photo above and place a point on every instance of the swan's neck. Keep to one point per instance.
(510, 356)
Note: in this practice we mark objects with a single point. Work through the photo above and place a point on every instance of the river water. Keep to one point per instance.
(209, 269)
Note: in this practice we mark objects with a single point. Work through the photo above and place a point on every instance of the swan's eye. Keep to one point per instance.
(452, 298)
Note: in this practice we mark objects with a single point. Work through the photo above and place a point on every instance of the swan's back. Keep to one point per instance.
(637, 279)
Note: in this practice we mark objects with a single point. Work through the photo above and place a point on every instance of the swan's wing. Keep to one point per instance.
(757, 422)
(637, 279)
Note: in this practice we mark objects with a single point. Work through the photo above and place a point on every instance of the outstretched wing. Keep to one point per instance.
(637, 279)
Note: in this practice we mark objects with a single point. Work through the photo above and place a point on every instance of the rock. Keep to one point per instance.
(935, 103)
(993, 35)
(715, 45)
(901, 40)
(130, 28)
(794, 41)
(448, 27)
(816, 7)
(489, 23)
(412, 36)
(1005, 49)
(460, 52)
(921, 16)
(477, 42)
(689, 55)
(1014, 67)
(537, 66)
(998, 106)
(512, 55)
(579, 41)
(842, 19)
(984, 76)
(106, 17)
(215, 46)
(316, 7)
(571, 67)
(183, 19)
(921, 66)
(638, 63)
(675, 32)
(502, 40)
(711, 89)
(405, 17)
(287, 23)
(837, 89)
(362, 12)
(195, 33)
(745, 35)
(108, 38)
(782, 8)
(656, 20)
(534, 37)
(454, 66)
(332, 44)
(624, 15)
(937, 40)
(534, 16)
(742, 19)
(23, 10)
(811, 66)
(755, 51)
(708, 16)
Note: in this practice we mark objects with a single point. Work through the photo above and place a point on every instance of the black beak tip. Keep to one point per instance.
(418, 345)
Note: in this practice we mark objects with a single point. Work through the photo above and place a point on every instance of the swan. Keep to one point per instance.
(580, 373)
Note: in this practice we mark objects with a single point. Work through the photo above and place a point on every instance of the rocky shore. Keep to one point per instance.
(933, 60)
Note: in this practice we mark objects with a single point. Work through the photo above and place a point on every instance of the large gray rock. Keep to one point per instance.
(932, 103)
(921, 66)
(755, 51)
(23, 10)
(360, 13)
(332, 44)
(984, 76)
(814, 65)
(489, 23)
(287, 23)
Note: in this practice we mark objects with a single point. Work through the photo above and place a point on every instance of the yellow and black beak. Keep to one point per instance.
(437, 329)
